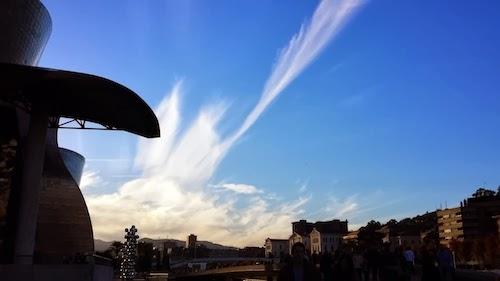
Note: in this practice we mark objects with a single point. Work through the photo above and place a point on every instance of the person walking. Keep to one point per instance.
(430, 271)
(445, 262)
(409, 256)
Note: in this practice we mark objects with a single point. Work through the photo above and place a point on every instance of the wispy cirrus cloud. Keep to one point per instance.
(174, 197)
(303, 185)
(359, 208)
(303, 48)
(342, 208)
(239, 188)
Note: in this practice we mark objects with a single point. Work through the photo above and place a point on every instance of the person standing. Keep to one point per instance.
(325, 265)
(357, 260)
(430, 271)
(372, 257)
(299, 269)
(445, 262)
(409, 256)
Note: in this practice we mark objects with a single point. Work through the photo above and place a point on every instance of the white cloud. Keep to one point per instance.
(240, 188)
(173, 196)
(89, 179)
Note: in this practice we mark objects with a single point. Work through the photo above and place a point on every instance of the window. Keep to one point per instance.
(447, 230)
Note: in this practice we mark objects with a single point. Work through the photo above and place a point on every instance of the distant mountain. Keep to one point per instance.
(214, 246)
(101, 245)
(159, 242)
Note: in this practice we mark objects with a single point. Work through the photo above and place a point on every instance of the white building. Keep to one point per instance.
(322, 242)
(304, 239)
(276, 247)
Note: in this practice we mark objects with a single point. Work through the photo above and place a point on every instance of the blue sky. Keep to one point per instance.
(395, 115)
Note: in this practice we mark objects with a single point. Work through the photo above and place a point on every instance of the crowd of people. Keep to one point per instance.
(369, 264)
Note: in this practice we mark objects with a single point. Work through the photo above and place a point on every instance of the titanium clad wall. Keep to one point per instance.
(27, 25)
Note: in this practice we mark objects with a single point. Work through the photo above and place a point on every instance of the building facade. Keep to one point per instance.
(450, 225)
(403, 236)
(323, 242)
(304, 239)
(351, 237)
(472, 220)
(276, 248)
(320, 236)
(191, 241)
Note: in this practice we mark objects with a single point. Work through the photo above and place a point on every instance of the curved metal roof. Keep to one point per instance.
(80, 96)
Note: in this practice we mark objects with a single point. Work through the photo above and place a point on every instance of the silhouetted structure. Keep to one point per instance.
(252, 252)
(43, 215)
(191, 241)
(473, 219)
(401, 236)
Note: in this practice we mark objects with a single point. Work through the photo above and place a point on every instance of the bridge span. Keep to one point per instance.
(260, 271)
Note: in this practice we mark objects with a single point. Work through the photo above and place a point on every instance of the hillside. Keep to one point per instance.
(101, 245)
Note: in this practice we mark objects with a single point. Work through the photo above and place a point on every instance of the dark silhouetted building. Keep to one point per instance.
(43, 215)
(191, 241)
(401, 236)
(473, 219)
(252, 252)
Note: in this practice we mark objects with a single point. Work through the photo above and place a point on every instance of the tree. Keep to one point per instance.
(144, 257)
(483, 192)
(392, 222)
(115, 248)
(373, 225)
(369, 236)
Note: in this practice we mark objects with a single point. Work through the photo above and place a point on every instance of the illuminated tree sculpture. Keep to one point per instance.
(129, 254)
